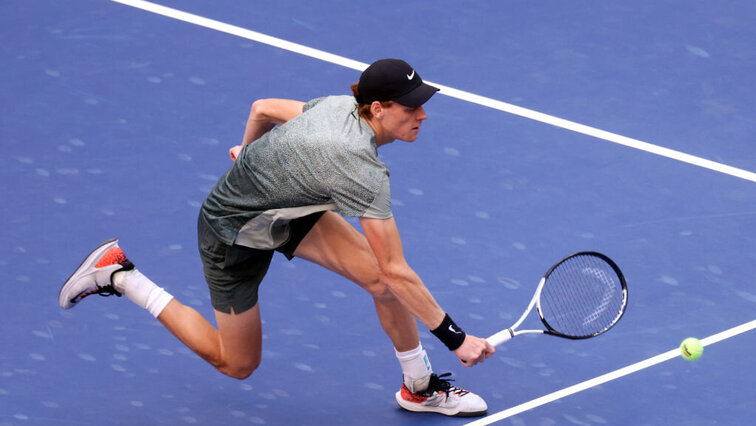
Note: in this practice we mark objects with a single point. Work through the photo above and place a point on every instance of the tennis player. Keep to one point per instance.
(300, 168)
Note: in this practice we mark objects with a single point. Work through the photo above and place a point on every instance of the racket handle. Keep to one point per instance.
(500, 337)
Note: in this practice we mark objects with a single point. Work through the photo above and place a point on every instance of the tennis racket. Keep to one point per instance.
(581, 296)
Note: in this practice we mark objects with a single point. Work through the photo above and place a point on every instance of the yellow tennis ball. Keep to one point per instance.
(691, 348)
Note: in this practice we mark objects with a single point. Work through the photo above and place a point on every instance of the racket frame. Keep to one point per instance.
(507, 334)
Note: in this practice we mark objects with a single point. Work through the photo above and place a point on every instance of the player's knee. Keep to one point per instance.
(376, 287)
(240, 371)
(382, 293)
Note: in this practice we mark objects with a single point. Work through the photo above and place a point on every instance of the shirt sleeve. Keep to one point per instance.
(312, 103)
(381, 206)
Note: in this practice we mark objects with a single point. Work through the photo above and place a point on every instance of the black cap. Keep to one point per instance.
(393, 80)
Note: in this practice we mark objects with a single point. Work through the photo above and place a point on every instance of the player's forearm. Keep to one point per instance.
(396, 274)
(410, 290)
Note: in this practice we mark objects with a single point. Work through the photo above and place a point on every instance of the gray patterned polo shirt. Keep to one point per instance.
(323, 159)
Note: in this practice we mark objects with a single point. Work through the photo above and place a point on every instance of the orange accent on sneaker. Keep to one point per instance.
(112, 257)
(412, 397)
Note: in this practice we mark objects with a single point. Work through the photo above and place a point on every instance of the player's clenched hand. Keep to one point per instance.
(474, 350)
(234, 152)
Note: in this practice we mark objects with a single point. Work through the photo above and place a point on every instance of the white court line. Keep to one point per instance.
(244, 33)
(445, 90)
(616, 374)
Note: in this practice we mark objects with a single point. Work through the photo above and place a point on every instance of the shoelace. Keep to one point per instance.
(442, 384)
(105, 291)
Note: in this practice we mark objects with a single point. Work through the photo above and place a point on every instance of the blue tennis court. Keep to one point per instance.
(624, 128)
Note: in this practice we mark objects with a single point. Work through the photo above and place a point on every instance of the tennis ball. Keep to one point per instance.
(691, 348)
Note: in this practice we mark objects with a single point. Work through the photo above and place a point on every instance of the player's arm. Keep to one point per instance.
(263, 116)
(406, 285)
(266, 114)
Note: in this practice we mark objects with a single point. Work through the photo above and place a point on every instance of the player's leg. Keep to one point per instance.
(336, 245)
(233, 349)
(233, 275)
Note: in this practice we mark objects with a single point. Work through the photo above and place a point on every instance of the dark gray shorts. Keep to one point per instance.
(234, 273)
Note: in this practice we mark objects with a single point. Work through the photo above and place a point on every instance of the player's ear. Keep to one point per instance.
(376, 109)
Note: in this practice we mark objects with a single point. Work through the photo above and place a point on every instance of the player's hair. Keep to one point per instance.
(364, 109)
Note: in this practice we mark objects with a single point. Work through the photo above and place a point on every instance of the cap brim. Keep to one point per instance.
(417, 96)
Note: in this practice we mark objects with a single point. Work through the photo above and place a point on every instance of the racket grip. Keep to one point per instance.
(500, 337)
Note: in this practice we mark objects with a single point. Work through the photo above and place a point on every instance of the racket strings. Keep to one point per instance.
(583, 296)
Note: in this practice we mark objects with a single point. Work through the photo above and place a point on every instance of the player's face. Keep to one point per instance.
(402, 122)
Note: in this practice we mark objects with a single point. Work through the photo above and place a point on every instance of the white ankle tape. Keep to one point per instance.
(409, 355)
(142, 291)
(416, 367)
(157, 301)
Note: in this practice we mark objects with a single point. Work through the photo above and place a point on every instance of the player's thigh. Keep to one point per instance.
(241, 339)
(336, 245)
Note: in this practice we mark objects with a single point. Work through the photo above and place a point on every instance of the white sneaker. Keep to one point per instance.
(441, 397)
(94, 275)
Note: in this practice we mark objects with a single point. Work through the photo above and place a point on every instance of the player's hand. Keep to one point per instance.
(474, 350)
(234, 152)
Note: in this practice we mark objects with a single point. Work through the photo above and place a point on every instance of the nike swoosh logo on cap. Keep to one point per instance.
(411, 76)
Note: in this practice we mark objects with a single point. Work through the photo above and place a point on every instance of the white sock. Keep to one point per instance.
(140, 290)
(416, 368)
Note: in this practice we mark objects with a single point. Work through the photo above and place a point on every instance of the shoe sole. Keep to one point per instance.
(88, 263)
